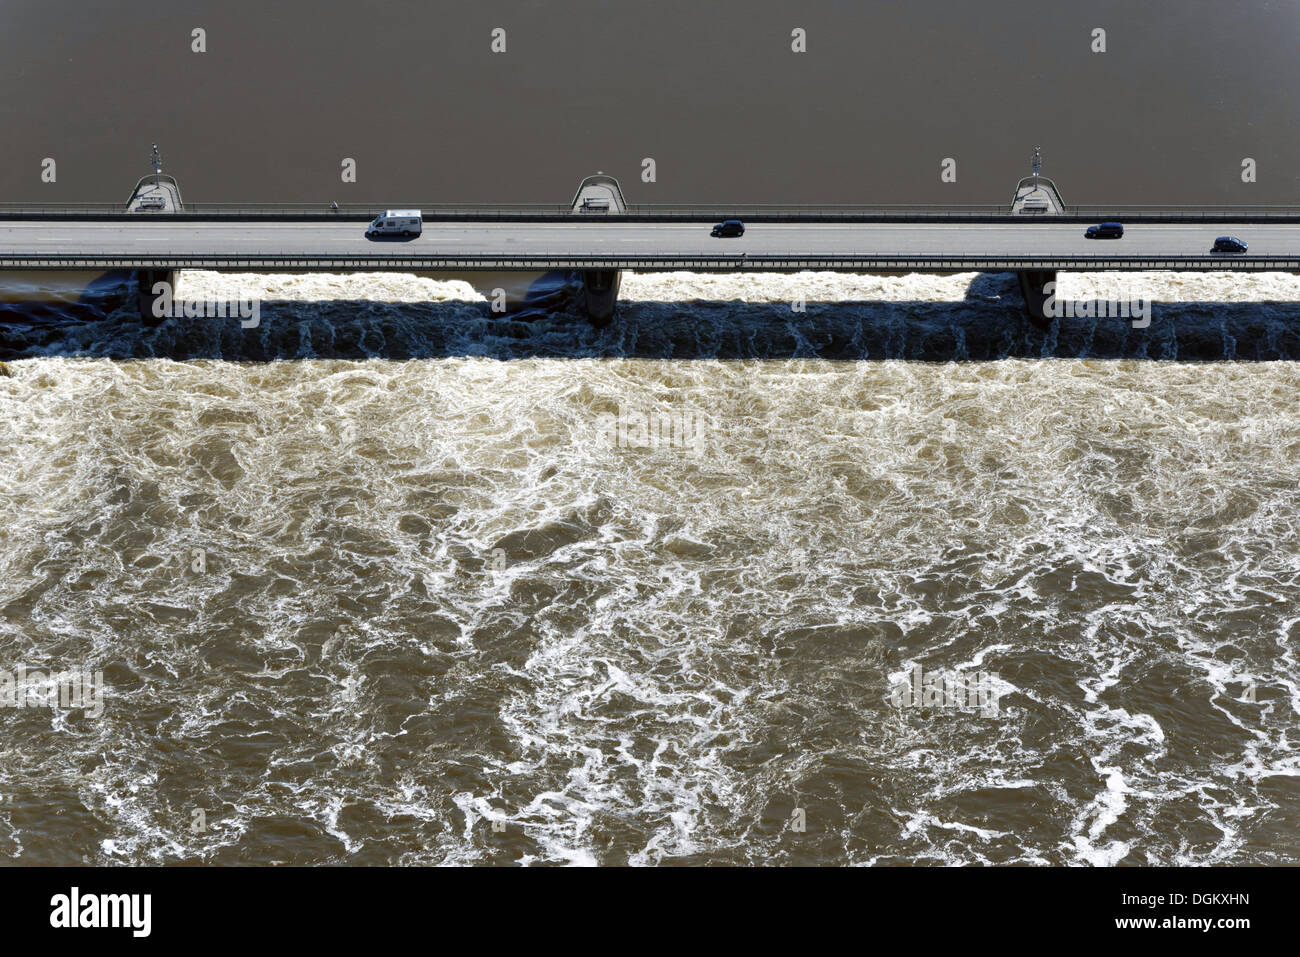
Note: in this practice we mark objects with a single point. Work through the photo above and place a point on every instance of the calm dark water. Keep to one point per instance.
(711, 91)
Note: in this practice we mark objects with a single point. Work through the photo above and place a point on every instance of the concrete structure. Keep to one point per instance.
(153, 195)
(140, 243)
(599, 195)
(1037, 196)
(598, 235)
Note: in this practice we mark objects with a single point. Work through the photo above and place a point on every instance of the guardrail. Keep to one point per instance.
(158, 178)
(324, 262)
(541, 212)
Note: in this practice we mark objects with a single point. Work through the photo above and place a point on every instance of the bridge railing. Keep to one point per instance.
(535, 212)
(845, 262)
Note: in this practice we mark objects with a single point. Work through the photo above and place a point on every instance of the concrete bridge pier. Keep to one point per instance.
(154, 194)
(599, 195)
(600, 291)
(145, 297)
(1037, 197)
(1034, 286)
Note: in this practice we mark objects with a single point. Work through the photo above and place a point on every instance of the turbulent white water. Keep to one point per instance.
(641, 594)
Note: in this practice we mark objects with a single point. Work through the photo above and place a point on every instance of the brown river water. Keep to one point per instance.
(384, 581)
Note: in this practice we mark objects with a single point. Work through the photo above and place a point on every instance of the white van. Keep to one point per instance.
(396, 222)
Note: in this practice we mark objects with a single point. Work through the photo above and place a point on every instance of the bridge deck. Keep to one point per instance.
(582, 242)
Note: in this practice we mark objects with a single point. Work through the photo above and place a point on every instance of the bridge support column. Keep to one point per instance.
(1037, 196)
(600, 293)
(599, 195)
(1038, 286)
(157, 194)
(145, 297)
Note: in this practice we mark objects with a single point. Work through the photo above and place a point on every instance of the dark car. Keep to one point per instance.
(729, 227)
(1105, 231)
(1228, 244)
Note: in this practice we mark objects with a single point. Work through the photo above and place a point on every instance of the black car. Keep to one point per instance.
(1105, 231)
(1228, 244)
(729, 227)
